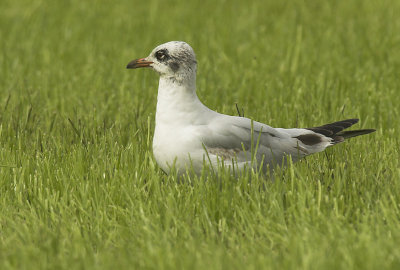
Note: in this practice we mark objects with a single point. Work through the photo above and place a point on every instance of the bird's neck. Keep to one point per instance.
(177, 99)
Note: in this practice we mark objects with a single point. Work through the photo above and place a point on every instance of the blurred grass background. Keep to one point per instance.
(79, 188)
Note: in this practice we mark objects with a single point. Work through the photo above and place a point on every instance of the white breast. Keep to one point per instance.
(178, 147)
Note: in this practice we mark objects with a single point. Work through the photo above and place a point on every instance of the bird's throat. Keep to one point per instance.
(177, 100)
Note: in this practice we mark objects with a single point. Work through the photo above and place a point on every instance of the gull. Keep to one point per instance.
(188, 135)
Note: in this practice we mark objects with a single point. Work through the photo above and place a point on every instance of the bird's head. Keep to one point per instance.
(175, 59)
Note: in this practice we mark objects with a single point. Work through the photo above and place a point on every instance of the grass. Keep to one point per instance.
(80, 189)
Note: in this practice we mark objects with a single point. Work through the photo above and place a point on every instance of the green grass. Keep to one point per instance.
(80, 189)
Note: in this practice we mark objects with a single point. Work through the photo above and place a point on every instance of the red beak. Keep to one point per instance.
(139, 63)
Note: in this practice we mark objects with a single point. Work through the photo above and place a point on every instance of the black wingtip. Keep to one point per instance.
(331, 129)
(336, 130)
(355, 133)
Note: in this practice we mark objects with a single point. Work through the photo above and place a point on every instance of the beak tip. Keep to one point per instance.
(132, 64)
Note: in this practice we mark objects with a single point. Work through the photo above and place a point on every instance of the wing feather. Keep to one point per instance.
(239, 135)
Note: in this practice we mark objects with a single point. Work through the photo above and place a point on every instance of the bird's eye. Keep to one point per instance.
(161, 55)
